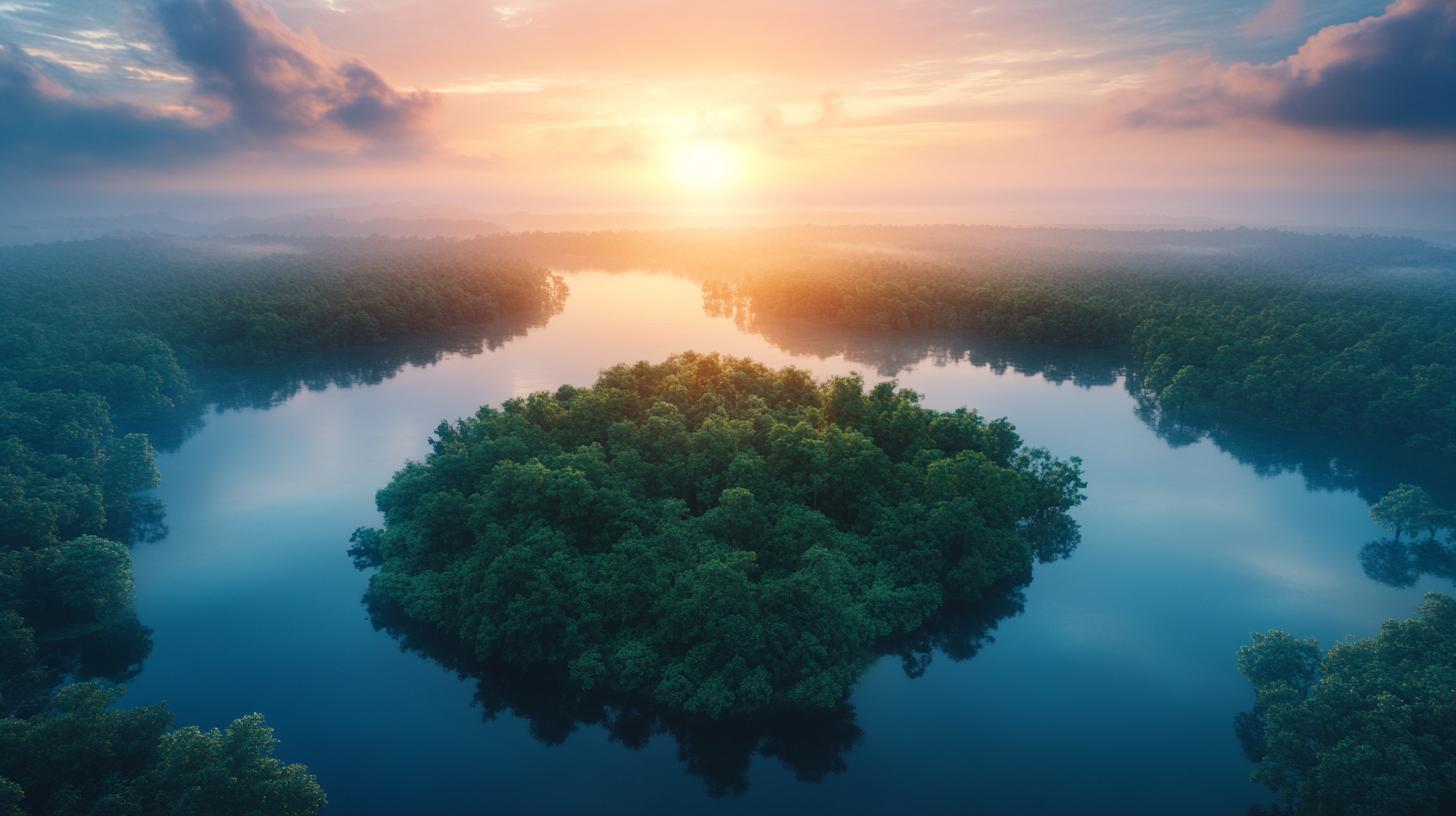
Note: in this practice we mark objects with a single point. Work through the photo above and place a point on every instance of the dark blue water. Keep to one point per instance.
(1113, 689)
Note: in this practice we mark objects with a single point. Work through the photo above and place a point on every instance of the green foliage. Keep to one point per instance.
(1401, 561)
(1408, 507)
(1306, 339)
(94, 336)
(708, 533)
(115, 316)
(1278, 657)
(82, 757)
(1375, 735)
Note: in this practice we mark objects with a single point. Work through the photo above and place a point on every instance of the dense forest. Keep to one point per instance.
(1359, 345)
(1367, 728)
(709, 534)
(82, 757)
(706, 548)
(99, 337)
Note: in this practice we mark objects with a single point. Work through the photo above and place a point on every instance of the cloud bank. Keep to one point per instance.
(45, 127)
(1392, 73)
(256, 85)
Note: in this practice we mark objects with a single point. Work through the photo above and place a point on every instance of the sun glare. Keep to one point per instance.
(705, 166)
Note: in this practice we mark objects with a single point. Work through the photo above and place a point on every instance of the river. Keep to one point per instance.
(1108, 687)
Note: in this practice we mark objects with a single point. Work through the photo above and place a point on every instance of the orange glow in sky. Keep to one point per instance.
(1112, 107)
(705, 167)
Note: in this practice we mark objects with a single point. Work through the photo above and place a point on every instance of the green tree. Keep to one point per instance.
(1407, 507)
(80, 756)
(1375, 733)
(707, 533)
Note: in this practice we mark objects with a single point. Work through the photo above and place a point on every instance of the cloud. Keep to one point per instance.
(255, 84)
(273, 80)
(1280, 18)
(1395, 72)
(44, 126)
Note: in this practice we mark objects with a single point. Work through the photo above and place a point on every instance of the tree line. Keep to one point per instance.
(99, 337)
(1347, 346)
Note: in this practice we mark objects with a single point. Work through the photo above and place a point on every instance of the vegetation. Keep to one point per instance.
(1368, 728)
(79, 757)
(1409, 509)
(709, 534)
(1422, 540)
(1342, 345)
(98, 337)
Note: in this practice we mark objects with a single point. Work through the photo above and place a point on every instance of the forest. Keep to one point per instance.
(100, 338)
(709, 548)
(1368, 727)
(1356, 345)
(709, 534)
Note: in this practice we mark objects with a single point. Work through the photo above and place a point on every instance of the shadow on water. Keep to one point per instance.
(812, 745)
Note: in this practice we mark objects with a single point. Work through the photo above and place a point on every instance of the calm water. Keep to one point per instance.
(1112, 691)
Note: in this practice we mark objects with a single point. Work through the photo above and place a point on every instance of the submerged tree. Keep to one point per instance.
(1368, 729)
(709, 534)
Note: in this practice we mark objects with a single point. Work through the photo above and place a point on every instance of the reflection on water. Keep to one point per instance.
(1110, 677)
(267, 386)
(890, 353)
(812, 745)
(1403, 563)
(117, 651)
(1325, 462)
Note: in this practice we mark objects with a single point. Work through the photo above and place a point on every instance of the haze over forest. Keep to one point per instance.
(854, 406)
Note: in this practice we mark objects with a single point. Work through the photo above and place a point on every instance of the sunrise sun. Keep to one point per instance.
(705, 166)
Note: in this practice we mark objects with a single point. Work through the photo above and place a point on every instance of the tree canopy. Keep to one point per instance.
(94, 337)
(80, 758)
(1422, 538)
(708, 533)
(1367, 729)
(97, 338)
(1299, 339)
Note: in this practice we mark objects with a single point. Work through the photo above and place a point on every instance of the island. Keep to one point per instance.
(707, 533)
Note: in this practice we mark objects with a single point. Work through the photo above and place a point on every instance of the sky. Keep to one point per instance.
(1294, 112)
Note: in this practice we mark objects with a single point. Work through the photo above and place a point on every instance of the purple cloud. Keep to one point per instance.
(44, 127)
(256, 84)
(1395, 72)
(273, 80)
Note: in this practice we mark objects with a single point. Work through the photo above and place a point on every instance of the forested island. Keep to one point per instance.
(100, 337)
(709, 534)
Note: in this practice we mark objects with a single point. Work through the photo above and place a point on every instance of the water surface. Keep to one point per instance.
(1112, 690)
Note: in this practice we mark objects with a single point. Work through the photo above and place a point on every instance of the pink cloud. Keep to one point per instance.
(1395, 72)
